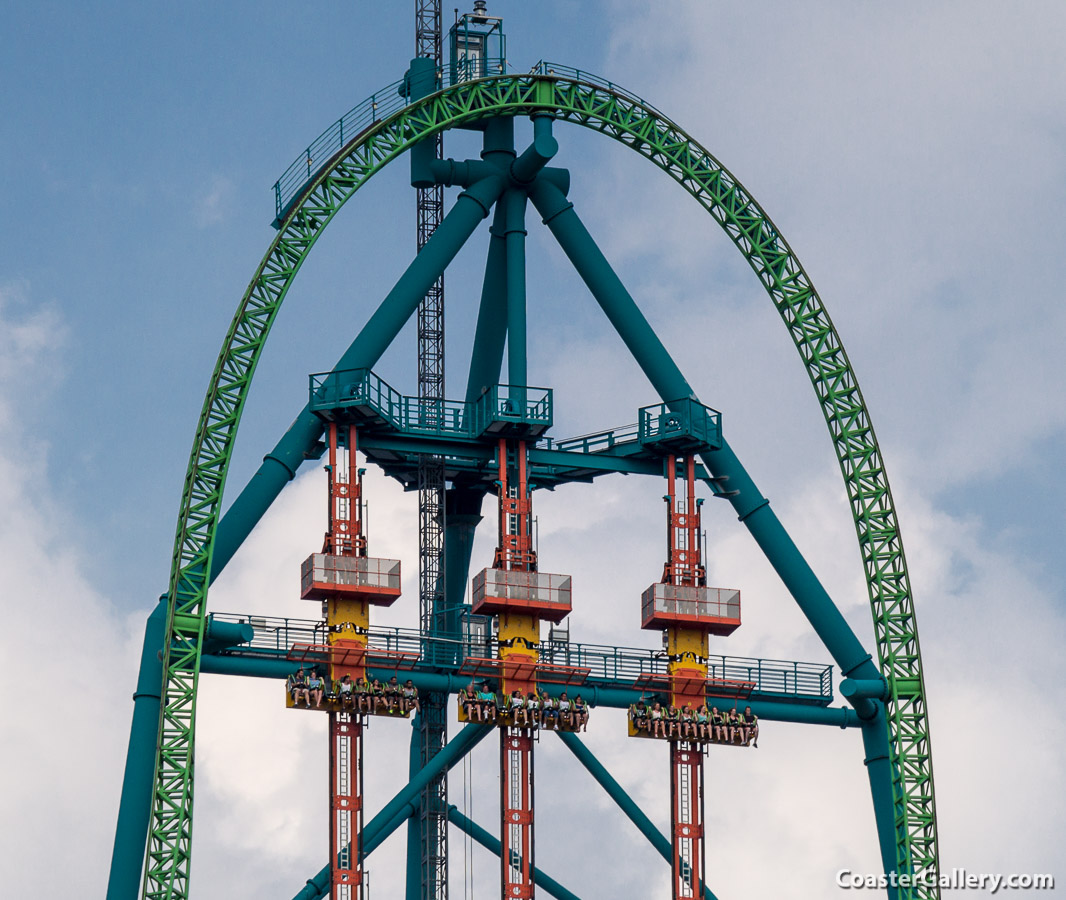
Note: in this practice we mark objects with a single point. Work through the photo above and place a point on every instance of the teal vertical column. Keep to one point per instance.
(486, 358)
(462, 516)
(514, 204)
(135, 803)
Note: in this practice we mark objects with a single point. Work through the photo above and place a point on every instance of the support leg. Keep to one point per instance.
(626, 803)
(404, 804)
(135, 804)
(516, 812)
(686, 823)
(346, 806)
(551, 887)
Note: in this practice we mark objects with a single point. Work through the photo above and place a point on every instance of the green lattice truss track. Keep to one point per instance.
(607, 109)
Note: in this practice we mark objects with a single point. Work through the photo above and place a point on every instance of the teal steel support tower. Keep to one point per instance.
(494, 445)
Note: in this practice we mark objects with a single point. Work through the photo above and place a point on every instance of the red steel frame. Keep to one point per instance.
(686, 788)
(683, 563)
(515, 551)
(345, 805)
(345, 538)
(516, 806)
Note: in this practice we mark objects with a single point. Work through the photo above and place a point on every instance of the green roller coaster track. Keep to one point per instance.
(569, 96)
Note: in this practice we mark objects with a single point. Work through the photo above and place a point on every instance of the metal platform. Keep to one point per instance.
(608, 666)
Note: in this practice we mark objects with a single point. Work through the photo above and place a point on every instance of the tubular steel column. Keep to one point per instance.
(433, 722)
(346, 806)
(516, 811)
(686, 824)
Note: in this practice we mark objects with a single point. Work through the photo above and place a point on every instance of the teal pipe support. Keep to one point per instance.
(298, 443)
(514, 203)
(497, 145)
(135, 802)
(226, 635)
(538, 154)
(400, 807)
(880, 772)
(420, 81)
(413, 878)
(862, 694)
(596, 695)
(486, 358)
(462, 515)
(492, 844)
(617, 793)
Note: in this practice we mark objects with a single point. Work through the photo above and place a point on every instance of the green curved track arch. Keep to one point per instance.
(570, 96)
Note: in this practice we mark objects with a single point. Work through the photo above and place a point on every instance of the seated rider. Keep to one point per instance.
(639, 714)
(703, 724)
(718, 725)
(736, 731)
(751, 727)
(658, 724)
(377, 696)
(517, 705)
(410, 696)
(550, 711)
(533, 708)
(487, 701)
(468, 704)
(297, 686)
(581, 714)
(316, 684)
(673, 721)
(345, 690)
(392, 694)
(363, 700)
(688, 725)
(566, 711)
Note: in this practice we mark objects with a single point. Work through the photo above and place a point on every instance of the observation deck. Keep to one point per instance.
(359, 395)
(360, 577)
(713, 610)
(395, 429)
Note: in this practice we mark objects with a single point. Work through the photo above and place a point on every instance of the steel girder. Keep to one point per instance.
(577, 97)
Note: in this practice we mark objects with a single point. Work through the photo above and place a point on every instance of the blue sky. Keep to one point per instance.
(914, 159)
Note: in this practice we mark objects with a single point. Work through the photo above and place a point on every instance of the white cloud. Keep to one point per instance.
(213, 201)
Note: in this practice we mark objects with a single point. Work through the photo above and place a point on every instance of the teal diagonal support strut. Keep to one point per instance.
(279, 466)
(618, 794)
(394, 813)
(654, 360)
(135, 803)
(486, 359)
(483, 837)
(752, 508)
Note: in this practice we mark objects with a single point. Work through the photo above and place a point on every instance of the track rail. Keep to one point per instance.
(576, 97)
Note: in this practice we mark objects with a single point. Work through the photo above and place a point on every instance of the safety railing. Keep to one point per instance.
(571, 74)
(379, 105)
(680, 422)
(786, 679)
(507, 406)
(522, 587)
(597, 441)
(689, 600)
(324, 569)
